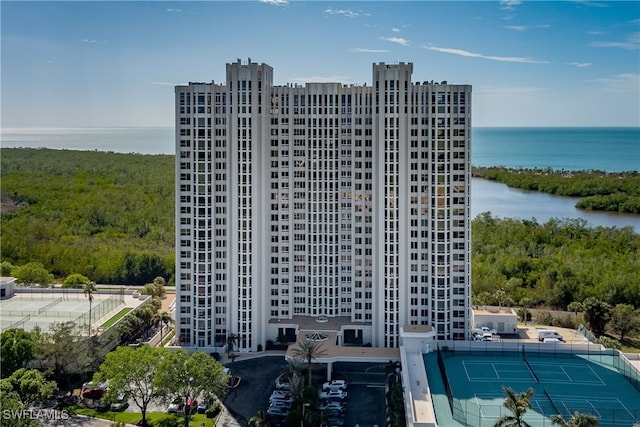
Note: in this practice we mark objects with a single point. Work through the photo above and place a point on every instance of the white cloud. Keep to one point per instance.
(173, 10)
(468, 54)
(166, 84)
(509, 4)
(343, 12)
(591, 3)
(624, 83)
(399, 40)
(365, 50)
(581, 64)
(525, 27)
(92, 41)
(395, 30)
(632, 43)
(275, 2)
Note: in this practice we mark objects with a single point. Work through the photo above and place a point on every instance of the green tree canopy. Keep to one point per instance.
(31, 385)
(195, 376)
(6, 269)
(597, 314)
(68, 352)
(624, 320)
(75, 280)
(16, 350)
(133, 372)
(33, 273)
(10, 401)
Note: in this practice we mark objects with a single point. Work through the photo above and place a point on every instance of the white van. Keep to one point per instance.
(548, 333)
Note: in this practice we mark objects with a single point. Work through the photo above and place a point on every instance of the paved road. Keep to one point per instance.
(75, 421)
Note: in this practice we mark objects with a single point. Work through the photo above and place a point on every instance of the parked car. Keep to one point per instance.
(281, 400)
(281, 393)
(176, 406)
(335, 385)
(282, 382)
(120, 404)
(484, 337)
(103, 406)
(94, 391)
(333, 407)
(334, 421)
(278, 410)
(192, 404)
(333, 393)
(548, 333)
(203, 406)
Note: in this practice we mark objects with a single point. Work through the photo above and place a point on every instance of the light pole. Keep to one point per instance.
(304, 406)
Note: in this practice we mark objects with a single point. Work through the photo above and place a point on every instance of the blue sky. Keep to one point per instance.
(103, 63)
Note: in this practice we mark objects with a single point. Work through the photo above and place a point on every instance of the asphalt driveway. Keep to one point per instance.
(365, 403)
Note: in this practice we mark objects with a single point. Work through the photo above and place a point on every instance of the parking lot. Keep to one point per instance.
(364, 404)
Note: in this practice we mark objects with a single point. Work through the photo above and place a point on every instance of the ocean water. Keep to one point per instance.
(607, 149)
(149, 140)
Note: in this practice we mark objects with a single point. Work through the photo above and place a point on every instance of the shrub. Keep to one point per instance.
(544, 318)
(609, 342)
(213, 410)
(564, 321)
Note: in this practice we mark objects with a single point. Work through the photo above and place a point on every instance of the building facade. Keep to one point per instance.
(321, 200)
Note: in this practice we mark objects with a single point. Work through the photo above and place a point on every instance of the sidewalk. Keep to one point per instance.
(225, 419)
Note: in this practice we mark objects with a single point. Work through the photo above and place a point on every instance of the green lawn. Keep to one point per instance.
(109, 323)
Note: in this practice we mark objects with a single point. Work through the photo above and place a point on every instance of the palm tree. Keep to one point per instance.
(308, 350)
(259, 419)
(518, 404)
(575, 306)
(89, 288)
(145, 314)
(577, 420)
(231, 340)
(392, 369)
(162, 317)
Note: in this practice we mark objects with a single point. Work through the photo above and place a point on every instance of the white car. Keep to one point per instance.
(333, 393)
(335, 407)
(486, 330)
(280, 411)
(282, 382)
(284, 401)
(335, 385)
(281, 393)
(484, 337)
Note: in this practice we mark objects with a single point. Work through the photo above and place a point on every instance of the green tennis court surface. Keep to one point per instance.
(562, 384)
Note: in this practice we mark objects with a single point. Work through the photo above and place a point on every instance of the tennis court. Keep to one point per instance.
(562, 384)
(26, 311)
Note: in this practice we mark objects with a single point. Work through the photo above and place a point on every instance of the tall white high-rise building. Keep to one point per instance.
(321, 200)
